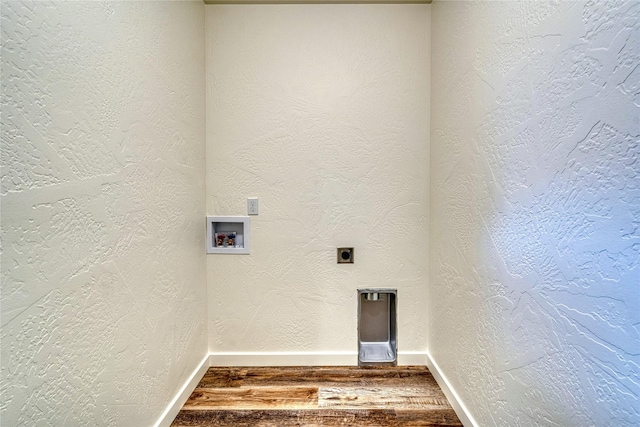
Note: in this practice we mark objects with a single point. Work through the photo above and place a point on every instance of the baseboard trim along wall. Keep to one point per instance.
(284, 359)
(176, 404)
(340, 358)
(461, 410)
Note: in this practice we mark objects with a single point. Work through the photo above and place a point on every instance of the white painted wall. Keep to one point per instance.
(103, 264)
(321, 111)
(535, 210)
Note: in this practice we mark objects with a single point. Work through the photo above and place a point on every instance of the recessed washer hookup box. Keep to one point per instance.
(228, 235)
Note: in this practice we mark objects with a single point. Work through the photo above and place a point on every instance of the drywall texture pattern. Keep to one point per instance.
(321, 111)
(103, 267)
(535, 210)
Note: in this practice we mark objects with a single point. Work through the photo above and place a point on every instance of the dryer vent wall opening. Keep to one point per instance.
(377, 327)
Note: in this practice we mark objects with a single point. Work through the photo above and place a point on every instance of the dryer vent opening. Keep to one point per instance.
(377, 327)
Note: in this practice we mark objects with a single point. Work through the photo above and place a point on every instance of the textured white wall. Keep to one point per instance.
(103, 265)
(321, 111)
(535, 210)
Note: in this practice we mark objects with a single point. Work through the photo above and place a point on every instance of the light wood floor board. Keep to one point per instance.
(381, 398)
(253, 398)
(317, 396)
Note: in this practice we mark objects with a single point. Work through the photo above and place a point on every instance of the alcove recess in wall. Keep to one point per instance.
(228, 235)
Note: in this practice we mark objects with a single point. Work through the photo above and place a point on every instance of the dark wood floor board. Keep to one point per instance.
(405, 376)
(281, 418)
(222, 377)
(330, 373)
(317, 396)
(286, 418)
(430, 417)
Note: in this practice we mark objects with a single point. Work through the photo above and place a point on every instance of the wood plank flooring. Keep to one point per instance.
(317, 396)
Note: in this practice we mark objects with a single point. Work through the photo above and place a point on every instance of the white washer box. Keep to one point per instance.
(224, 225)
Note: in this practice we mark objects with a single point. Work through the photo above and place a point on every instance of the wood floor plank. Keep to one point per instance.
(286, 418)
(253, 398)
(222, 377)
(281, 418)
(444, 416)
(405, 376)
(381, 398)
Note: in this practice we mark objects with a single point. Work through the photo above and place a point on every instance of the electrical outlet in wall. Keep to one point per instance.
(252, 206)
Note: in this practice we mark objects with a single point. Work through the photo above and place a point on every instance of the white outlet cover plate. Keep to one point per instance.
(252, 206)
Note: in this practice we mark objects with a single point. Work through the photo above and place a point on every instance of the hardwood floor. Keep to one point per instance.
(315, 396)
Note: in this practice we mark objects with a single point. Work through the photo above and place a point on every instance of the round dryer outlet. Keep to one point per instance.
(345, 255)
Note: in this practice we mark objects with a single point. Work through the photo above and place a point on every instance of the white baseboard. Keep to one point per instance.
(176, 404)
(344, 358)
(461, 410)
(338, 358)
(411, 358)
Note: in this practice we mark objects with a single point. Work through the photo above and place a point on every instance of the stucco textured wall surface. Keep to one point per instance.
(103, 267)
(535, 210)
(321, 111)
